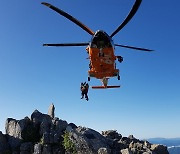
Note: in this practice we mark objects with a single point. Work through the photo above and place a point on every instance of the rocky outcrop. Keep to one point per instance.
(47, 134)
(51, 111)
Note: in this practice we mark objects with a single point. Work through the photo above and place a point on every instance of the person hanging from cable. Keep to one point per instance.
(84, 90)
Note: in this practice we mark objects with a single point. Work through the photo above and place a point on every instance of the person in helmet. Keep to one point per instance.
(84, 90)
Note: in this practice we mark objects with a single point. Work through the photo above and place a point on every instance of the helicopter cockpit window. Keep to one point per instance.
(101, 44)
(101, 41)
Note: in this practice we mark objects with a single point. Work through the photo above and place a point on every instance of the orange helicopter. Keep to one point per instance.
(101, 48)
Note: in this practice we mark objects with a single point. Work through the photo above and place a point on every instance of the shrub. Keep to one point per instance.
(68, 145)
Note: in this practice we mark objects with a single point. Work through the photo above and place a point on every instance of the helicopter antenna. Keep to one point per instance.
(71, 18)
(128, 18)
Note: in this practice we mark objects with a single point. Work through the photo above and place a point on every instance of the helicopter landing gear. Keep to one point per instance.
(118, 77)
(89, 78)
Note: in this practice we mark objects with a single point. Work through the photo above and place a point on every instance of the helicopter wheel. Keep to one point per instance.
(89, 78)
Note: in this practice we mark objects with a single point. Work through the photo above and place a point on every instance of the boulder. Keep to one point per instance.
(104, 151)
(131, 137)
(126, 151)
(37, 118)
(112, 134)
(88, 141)
(11, 127)
(70, 127)
(159, 149)
(125, 140)
(60, 126)
(136, 145)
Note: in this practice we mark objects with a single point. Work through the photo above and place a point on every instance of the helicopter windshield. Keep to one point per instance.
(101, 40)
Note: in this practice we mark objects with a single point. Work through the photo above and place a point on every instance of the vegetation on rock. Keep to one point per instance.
(69, 146)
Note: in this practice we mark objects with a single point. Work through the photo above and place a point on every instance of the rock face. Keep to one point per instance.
(4, 145)
(46, 134)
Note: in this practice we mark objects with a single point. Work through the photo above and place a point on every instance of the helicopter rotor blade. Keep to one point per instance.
(71, 18)
(66, 44)
(129, 17)
(131, 47)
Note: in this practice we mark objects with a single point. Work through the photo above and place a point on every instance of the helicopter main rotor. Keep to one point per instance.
(91, 32)
(68, 16)
(129, 17)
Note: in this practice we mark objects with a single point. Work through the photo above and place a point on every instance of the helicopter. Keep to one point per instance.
(101, 48)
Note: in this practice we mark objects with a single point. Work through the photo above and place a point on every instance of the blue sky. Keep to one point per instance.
(33, 76)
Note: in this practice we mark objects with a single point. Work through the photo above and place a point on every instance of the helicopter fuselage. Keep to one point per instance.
(101, 55)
